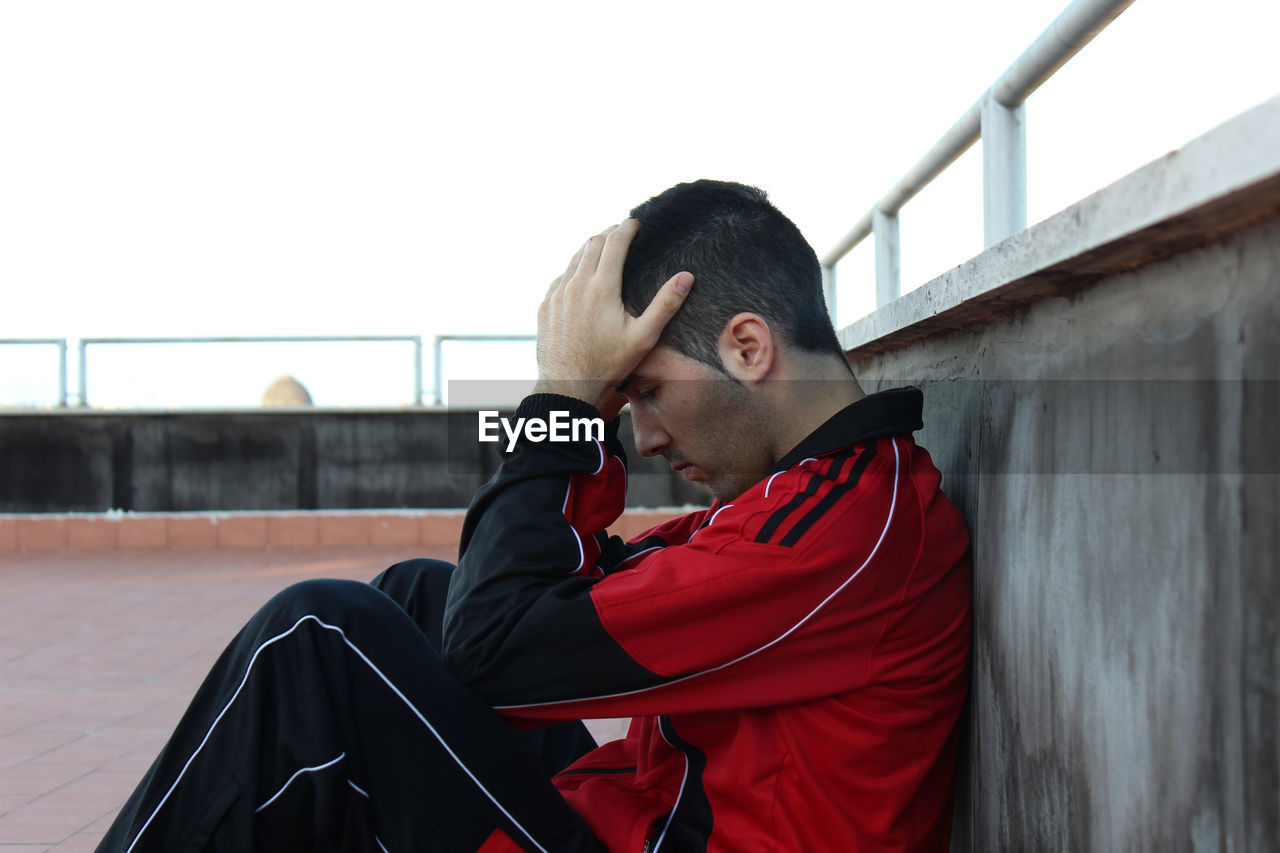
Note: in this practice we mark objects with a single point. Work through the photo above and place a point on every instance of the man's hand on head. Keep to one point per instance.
(587, 341)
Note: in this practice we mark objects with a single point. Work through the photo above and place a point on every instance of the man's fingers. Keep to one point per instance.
(590, 255)
(569, 270)
(666, 302)
(615, 251)
(551, 288)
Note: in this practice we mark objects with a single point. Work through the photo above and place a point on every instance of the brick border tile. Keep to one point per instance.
(436, 529)
(634, 522)
(345, 529)
(293, 531)
(92, 532)
(42, 534)
(142, 532)
(393, 530)
(8, 534)
(301, 529)
(242, 531)
(199, 531)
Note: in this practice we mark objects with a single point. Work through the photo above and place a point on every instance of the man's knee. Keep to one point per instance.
(399, 580)
(327, 599)
(420, 588)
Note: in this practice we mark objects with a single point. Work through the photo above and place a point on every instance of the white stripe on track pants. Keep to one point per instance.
(330, 723)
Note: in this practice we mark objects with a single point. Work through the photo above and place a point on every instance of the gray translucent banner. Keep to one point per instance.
(994, 427)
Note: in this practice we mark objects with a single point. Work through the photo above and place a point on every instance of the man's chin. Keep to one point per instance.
(725, 490)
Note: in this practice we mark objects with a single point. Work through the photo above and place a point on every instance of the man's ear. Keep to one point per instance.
(747, 347)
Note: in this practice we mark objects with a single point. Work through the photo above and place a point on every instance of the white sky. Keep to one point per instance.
(256, 168)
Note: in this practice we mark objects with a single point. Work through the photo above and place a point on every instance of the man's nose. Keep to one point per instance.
(650, 438)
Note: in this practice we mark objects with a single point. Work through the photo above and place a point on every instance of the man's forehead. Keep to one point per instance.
(657, 364)
(665, 364)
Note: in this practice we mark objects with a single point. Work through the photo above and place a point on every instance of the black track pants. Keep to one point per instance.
(330, 723)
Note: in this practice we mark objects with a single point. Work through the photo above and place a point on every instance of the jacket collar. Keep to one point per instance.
(897, 411)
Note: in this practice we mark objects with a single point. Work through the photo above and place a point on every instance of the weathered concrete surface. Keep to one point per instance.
(74, 461)
(1113, 444)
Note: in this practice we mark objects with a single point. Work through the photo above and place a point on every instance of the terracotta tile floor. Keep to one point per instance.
(99, 655)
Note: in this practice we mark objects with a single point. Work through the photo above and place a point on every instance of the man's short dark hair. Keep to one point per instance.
(745, 255)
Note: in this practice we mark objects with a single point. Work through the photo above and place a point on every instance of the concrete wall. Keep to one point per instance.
(265, 460)
(1107, 420)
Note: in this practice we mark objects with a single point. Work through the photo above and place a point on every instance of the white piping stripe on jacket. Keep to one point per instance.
(785, 470)
(249, 671)
(710, 521)
(299, 772)
(582, 554)
(564, 510)
(640, 553)
(679, 794)
(893, 504)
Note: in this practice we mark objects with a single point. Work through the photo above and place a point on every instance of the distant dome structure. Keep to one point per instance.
(286, 391)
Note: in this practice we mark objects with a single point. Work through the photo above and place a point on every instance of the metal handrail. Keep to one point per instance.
(998, 118)
(437, 351)
(61, 344)
(416, 340)
(437, 354)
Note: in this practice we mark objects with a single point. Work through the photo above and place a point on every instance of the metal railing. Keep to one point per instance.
(438, 342)
(416, 340)
(998, 119)
(61, 344)
(437, 353)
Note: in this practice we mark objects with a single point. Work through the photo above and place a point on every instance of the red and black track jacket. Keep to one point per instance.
(795, 661)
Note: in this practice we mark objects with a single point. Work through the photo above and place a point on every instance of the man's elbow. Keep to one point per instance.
(478, 668)
(462, 659)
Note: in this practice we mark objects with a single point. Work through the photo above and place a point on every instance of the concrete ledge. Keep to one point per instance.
(1210, 188)
(259, 530)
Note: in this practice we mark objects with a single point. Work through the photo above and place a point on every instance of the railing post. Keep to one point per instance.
(417, 370)
(83, 379)
(62, 373)
(829, 291)
(437, 347)
(888, 257)
(1004, 170)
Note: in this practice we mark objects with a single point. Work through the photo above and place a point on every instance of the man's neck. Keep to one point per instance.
(824, 388)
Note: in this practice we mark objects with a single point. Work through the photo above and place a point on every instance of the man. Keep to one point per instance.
(794, 657)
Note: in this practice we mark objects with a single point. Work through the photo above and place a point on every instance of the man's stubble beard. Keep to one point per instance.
(740, 432)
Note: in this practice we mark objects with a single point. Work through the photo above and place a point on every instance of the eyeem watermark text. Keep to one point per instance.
(559, 427)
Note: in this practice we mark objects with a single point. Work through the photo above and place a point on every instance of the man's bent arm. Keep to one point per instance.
(520, 622)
